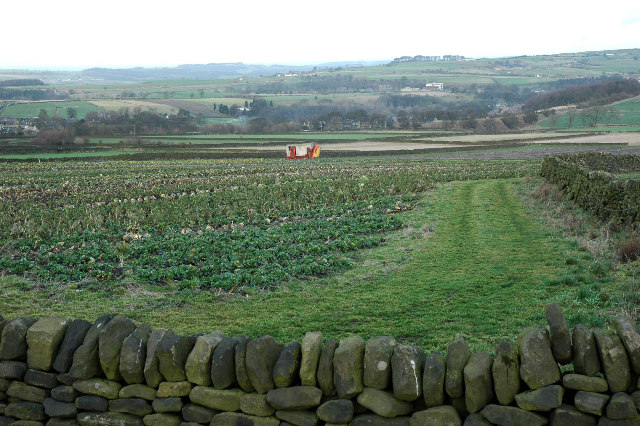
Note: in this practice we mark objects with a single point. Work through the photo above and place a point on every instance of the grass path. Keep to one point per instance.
(479, 274)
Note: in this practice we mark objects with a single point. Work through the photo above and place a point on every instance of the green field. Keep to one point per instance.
(629, 176)
(414, 246)
(625, 113)
(53, 109)
(422, 250)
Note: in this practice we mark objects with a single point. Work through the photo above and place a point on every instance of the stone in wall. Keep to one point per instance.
(86, 361)
(585, 353)
(628, 333)
(262, 355)
(377, 361)
(435, 368)
(569, 415)
(172, 354)
(337, 411)
(407, 365)
(13, 340)
(310, 348)
(223, 373)
(384, 403)
(614, 360)
(560, 335)
(73, 338)
(110, 343)
(325, 368)
(294, 398)
(134, 354)
(287, 368)
(256, 404)
(151, 371)
(506, 373)
(443, 415)
(502, 415)
(542, 399)
(348, 368)
(478, 383)
(43, 339)
(538, 367)
(198, 364)
(458, 354)
(240, 364)
(216, 399)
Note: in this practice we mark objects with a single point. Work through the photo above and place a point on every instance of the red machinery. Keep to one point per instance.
(303, 151)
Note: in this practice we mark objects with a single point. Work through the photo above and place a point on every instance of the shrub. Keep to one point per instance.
(629, 249)
(54, 137)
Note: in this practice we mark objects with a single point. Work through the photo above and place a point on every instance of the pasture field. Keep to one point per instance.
(634, 175)
(425, 250)
(118, 104)
(618, 117)
(32, 109)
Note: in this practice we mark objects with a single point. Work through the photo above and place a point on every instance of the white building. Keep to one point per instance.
(434, 86)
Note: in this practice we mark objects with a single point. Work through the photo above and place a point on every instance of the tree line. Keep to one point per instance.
(30, 94)
(21, 82)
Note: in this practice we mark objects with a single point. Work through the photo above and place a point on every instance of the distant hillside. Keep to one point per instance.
(205, 71)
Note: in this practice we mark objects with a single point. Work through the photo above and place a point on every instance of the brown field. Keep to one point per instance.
(367, 146)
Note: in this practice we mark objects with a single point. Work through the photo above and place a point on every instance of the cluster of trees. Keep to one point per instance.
(589, 95)
(21, 82)
(54, 137)
(27, 94)
(125, 121)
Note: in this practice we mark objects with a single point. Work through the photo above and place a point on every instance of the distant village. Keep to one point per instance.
(18, 127)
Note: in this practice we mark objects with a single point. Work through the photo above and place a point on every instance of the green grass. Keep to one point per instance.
(32, 109)
(472, 261)
(626, 113)
(629, 176)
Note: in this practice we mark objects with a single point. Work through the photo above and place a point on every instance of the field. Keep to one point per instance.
(425, 250)
(116, 105)
(53, 109)
(439, 227)
(620, 116)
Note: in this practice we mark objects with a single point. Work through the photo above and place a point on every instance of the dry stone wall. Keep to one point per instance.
(57, 371)
(589, 179)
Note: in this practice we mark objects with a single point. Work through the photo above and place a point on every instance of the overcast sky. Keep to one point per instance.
(117, 33)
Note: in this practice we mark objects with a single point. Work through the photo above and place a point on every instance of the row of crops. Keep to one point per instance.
(210, 224)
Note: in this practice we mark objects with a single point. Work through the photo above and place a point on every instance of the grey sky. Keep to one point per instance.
(119, 33)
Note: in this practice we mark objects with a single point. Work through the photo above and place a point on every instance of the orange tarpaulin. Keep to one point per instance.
(304, 151)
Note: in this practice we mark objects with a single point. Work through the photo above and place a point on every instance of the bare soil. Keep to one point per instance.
(368, 146)
(532, 146)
